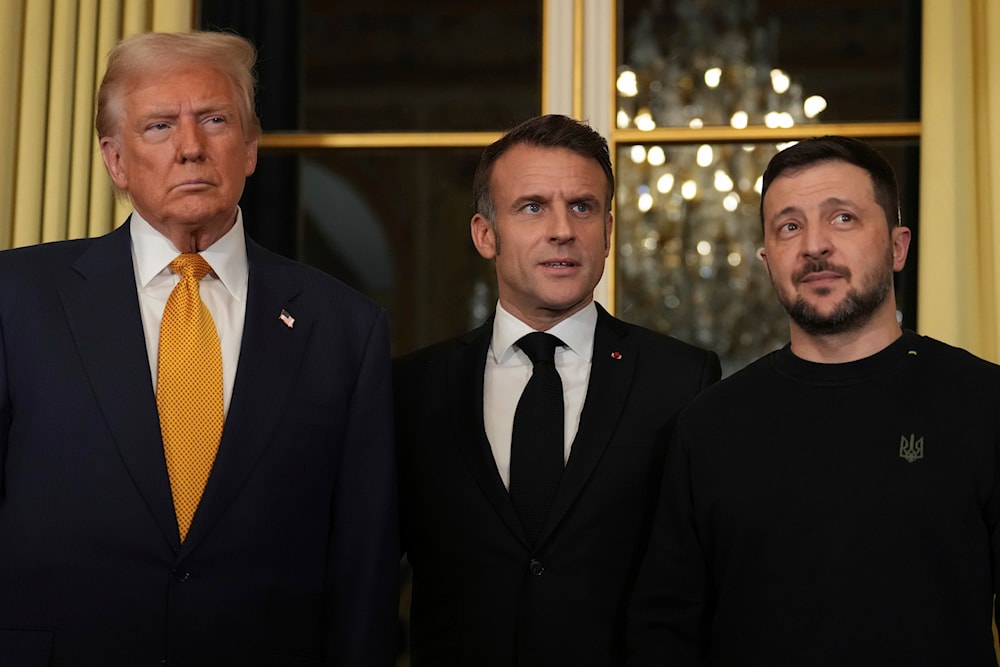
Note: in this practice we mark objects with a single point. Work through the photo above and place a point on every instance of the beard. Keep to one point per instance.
(852, 313)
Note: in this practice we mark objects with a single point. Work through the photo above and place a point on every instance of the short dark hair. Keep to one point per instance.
(844, 149)
(549, 131)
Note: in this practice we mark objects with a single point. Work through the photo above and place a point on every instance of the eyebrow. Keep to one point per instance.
(828, 203)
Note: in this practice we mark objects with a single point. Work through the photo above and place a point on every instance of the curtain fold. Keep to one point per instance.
(52, 182)
(11, 20)
(959, 153)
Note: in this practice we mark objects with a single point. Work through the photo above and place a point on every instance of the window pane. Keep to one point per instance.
(688, 240)
(393, 224)
(390, 65)
(711, 61)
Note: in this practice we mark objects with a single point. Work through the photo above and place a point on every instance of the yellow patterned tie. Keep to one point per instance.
(189, 388)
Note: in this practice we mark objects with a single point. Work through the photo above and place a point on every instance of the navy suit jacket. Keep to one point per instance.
(482, 593)
(292, 556)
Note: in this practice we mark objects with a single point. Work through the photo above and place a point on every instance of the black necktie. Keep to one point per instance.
(537, 441)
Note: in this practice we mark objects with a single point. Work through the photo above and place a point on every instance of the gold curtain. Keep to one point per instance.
(959, 241)
(52, 182)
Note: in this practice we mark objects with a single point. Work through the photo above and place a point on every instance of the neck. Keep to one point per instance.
(193, 237)
(543, 319)
(847, 346)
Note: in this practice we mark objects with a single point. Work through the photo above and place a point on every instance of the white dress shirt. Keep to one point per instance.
(508, 370)
(223, 291)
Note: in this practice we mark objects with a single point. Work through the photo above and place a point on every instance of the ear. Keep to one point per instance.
(112, 156)
(609, 224)
(483, 236)
(251, 159)
(900, 247)
(763, 257)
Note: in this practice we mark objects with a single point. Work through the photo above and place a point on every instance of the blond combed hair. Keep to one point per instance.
(149, 54)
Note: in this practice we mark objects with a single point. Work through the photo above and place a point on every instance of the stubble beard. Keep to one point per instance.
(852, 313)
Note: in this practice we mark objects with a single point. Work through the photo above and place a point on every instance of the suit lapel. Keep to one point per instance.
(103, 315)
(270, 351)
(612, 368)
(465, 389)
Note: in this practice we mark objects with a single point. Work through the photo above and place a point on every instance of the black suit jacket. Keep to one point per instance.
(482, 595)
(292, 556)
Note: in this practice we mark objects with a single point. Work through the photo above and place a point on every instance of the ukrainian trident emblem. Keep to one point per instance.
(911, 449)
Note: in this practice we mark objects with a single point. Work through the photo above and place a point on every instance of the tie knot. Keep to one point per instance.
(190, 265)
(539, 346)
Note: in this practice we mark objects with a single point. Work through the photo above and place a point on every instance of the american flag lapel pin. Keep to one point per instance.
(286, 318)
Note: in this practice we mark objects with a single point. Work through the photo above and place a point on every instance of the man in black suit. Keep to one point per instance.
(287, 552)
(511, 568)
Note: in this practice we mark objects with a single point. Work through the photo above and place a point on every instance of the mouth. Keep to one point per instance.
(560, 264)
(820, 276)
(820, 272)
(193, 183)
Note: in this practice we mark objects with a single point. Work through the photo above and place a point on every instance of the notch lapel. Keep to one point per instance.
(269, 353)
(612, 369)
(465, 390)
(103, 315)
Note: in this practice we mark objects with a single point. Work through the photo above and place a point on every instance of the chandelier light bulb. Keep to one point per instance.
(722, 181)
(705, 155)
(665, 183)
(739, 120)
(814, 105)
(645, 202)
(628, 84)
(780, 81)
(638, 154)
(644, 121)
(655, 156)
(713, 76)
(689, 190)
(731, 202)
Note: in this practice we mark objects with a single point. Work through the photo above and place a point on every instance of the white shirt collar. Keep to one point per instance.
(153, 252)
(576, 331)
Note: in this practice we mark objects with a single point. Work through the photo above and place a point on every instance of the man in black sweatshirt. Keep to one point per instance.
(837, 501)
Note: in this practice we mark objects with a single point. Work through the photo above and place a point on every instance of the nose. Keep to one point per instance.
(816, 241)
(190, 140)
(560, 228)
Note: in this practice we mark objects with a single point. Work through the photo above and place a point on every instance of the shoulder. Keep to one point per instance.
(44, 256)
(438, 354)
(949, 361)
(327, 294)
(656, 347)
(29, 271)
(743, 389)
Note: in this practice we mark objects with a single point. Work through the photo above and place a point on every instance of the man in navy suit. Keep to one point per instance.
(493, 584)
(291, 557)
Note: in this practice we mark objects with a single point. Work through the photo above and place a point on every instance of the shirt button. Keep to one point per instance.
(535, 567)
(181, 576)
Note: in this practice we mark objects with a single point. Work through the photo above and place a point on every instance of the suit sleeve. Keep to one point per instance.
(670, 611)
(363, 556)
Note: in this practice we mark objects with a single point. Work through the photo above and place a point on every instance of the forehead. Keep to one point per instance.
(524, 168)
(816, 183)
(189, 83)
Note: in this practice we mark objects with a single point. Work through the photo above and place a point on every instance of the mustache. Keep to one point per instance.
(819, 266)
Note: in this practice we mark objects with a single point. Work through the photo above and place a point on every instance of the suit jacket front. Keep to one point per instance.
(292, 556)
(482, 594)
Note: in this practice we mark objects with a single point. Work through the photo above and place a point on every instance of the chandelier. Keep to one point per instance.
(688, 228)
